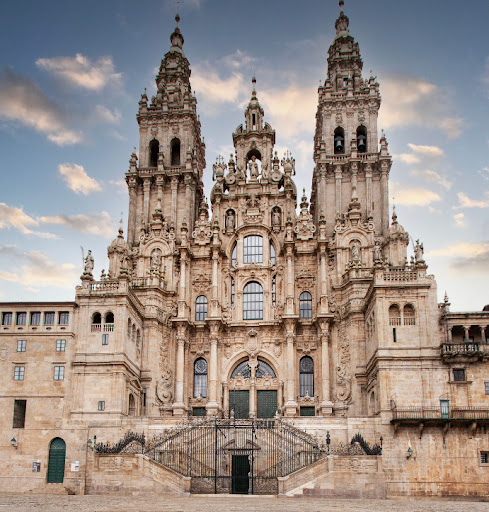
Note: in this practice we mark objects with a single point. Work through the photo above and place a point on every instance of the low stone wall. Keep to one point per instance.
(133, 474)
(338, 476)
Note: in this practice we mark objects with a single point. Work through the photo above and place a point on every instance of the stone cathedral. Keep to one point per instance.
(256, 341)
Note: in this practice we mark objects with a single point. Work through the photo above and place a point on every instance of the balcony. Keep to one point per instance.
(464, 352)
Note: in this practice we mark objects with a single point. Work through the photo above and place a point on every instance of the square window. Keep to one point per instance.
(484, 457)
(60, 345)
(59, 373)
(64, 318)
(459, 375)
(21, 345)
(36, 318)
(6, 318)
(198, 411)
(19, 414)
(105, 339)
(21, 318)
(19, 373)
(101, 405)
(486, 385)
(49, 318)
(308, 411)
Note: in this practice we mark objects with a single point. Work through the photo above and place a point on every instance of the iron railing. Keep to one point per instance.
(427, 413)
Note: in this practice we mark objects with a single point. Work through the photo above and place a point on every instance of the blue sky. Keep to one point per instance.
(71, 75)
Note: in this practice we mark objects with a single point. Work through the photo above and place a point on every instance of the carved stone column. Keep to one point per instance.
(212, 405)
(483, 334)
(179, 405)
(368, 179)
(225, 397)
(338, 177)
(131, 218)
(146, 190)
(174, 197)
(289, 305)
(466, 333)
(290, 407)
(326, 404)
(384, 194)
(253, 363)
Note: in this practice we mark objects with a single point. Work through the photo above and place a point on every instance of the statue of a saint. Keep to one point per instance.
(276, 220)
(253, 168)
(230, 220)
(89, 263)
(418, 251)
(355, 252)
(377, 251)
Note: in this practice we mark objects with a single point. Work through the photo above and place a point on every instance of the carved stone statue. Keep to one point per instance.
(253, 166)
(377, 252)
(89, 263)
(155, 259)
(355, 252)
(230, 221)
(418, 252)
(276, 217)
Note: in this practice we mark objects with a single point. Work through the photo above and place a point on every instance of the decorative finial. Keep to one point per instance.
(394, 214)
(341, 4)
(177, 17)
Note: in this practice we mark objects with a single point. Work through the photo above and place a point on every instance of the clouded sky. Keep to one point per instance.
(71, 75)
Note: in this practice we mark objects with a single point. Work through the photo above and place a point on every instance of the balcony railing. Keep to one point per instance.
(436, 413)
(470, 349)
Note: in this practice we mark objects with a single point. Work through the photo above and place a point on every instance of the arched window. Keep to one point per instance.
(262, 370)
(233, 255)
(253, 301)
(132, 405)
(409, 315)
(109, 318)
(273, 257)
(339, 141)
(175, 152)
(200, 378)
(394, 315)
(200, 308)
(305, 305)
(306, 376)
(362, 139)
(96, 318)
(154, 149)
(56, 461)
(253, 249)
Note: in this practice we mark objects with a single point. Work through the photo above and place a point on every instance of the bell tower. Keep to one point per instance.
(167, 179)
(350, 172)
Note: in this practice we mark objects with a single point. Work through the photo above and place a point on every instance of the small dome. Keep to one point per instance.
(486, 308)
(119, 242)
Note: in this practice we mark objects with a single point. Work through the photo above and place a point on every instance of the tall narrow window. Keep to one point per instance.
(200, 308)
(19, 413)
(306, 376)
(362, 139)
(253, 301)
(21, 318)
(253, 249)
(175, 152)
(21, 345)
(36, 318)
(339, 141)
(101, 405)
(200, 378)
(64, 318)
(233, 256)
(232, 291)
(59, 373)
(105, 339)
(49, 318)
(6, 318)
(273, 257)
(19, 373)
(305, 305)
(274, 291)
(60, 345)
(154, 149)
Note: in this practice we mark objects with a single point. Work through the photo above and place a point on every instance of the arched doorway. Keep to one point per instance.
(56, 462)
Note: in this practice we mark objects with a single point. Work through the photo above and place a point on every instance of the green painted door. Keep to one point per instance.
(445, 409)
(240, 474)
(239, 402)
(266, 403)
(56, 463)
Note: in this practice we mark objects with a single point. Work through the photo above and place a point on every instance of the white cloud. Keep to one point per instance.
(41, 272)
(466, 257)
(432, 177)
(466, 202)
(484, 172)
(463, 249)
(408, 158)
(410, 100)
(412, 196)
(78, 180)
(459, 219)
(22, 100)
(8, 276)
(106, 115)
(120, 185)
(214, 89)
(238, 60)
(99, 224)
(81, 71)
(430, 151)
(12, 217)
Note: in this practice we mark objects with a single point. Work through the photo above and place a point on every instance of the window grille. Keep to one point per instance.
(253, 249)
(21, 318)
(262, 370)
(59, 373)
(36, 318)
(21, 345)
(253, 301)
(200, 308)
(484, 458)
(305, 305)
(459, 375)
(306, 376)
(60, 345)
(19, 373)
(200, 378)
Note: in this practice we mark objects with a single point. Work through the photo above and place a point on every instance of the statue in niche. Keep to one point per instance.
(253, 166)
(89, 263)
(355, 251)
(377, 252)
(230, 220)
(418, 251)
(155, 260)
(276, 217)
(264, 171)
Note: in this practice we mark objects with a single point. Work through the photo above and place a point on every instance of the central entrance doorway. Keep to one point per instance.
(240, 474)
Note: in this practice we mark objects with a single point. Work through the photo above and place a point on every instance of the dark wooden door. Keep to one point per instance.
(56, 462)
(266, 403)
(239, 402)
(240, 474)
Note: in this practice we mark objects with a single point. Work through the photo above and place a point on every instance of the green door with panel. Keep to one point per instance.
(239, 402)
(266, 403)
(56, 462)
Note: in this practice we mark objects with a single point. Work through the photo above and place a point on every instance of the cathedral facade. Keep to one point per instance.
(255, 310)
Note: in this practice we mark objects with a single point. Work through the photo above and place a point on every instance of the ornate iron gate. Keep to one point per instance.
(237, 456)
